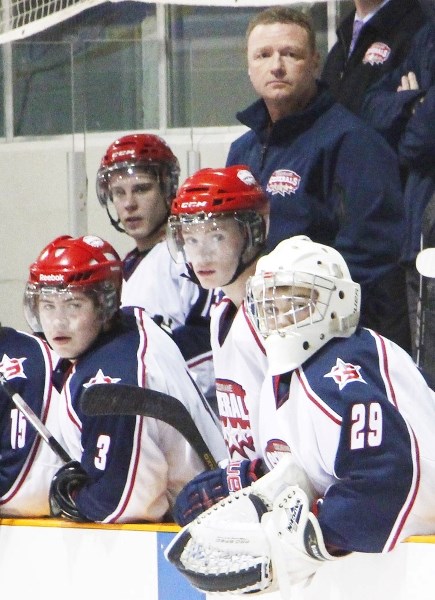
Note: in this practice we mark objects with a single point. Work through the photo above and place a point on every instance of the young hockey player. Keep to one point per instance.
(126, 468)
(136, 182)
(218, 229)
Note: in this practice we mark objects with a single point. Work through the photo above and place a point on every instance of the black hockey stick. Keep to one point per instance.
(122, 399)
(34, 420)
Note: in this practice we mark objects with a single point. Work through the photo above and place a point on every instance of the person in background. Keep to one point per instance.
(372, 40)
(401, 106)
(136, 181)
(124, 468)
(27, 463)
(326, 173)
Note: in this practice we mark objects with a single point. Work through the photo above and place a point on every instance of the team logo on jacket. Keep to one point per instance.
(234, 417)
(283, 182)
(377, 54)
(275, 450)
(343, 373)
(101, 378)
(12, 367)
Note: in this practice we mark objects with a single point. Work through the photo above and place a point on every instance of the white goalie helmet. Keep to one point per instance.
(301, 296)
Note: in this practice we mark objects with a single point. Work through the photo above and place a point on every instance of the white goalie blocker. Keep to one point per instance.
(260, 539)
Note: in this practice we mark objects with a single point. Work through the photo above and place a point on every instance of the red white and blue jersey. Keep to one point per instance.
(159, 285)
(27, 463)
(359, 418)
(240, 366)
(137, 465)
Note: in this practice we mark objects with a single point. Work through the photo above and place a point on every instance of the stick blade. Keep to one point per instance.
(123, 399)
(114, 399)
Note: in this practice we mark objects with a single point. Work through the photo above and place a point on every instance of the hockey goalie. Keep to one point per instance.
(357, 419)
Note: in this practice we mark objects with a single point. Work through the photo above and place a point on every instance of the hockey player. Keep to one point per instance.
(218, 228)
(126, 468)
(27, 464)
(347, 407)
(136, 181)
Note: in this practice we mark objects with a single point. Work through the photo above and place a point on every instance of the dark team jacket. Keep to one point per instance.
(409, 126)
(331, 177)
(26, 363)
(381, 46)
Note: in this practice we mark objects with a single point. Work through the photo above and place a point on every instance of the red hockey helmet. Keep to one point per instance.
(139, 151)
(211, 195)
(87, 264)
(229, 189)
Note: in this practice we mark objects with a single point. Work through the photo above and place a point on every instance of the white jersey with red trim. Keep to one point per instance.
(360, 419)
(160, 286)
(136, 465)
(240, 366)
(27, 463)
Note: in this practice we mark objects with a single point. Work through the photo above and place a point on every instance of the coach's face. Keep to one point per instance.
(282, 67)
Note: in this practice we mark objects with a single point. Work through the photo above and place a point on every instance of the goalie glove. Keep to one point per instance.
(208, 488)
(296, 544)
(256, 540)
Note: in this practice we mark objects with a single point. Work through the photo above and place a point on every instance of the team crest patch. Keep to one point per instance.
(343, 373)
(234, 418)
(101, 378)
(12, 367)
(275, 449)
(283, 182)
(377, 54)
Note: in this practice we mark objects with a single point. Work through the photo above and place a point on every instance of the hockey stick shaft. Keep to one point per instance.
(34, 420)
(122, 399)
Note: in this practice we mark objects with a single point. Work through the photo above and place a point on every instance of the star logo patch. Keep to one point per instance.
(344, 373)
(12, 367)
(101, 378)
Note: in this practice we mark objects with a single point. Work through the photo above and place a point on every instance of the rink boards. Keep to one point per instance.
(50, 559)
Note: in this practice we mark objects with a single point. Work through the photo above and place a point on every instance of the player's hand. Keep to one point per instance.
(210, 487)
(64, 485)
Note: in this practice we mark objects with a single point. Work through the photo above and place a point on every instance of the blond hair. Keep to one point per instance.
(282, 14)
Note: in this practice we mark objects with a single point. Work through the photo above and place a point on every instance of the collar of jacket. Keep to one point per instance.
(386, 19)
(256, 117)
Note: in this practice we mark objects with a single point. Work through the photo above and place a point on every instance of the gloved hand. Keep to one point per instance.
(210, 487)
(66, 482)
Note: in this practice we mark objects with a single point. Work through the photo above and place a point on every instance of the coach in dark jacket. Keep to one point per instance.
(327, 174)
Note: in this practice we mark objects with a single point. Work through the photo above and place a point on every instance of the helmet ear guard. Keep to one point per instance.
(301, 297)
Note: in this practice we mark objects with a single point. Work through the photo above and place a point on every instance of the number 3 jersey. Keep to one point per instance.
(137, 465)
(360, 419)
(27, 463)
